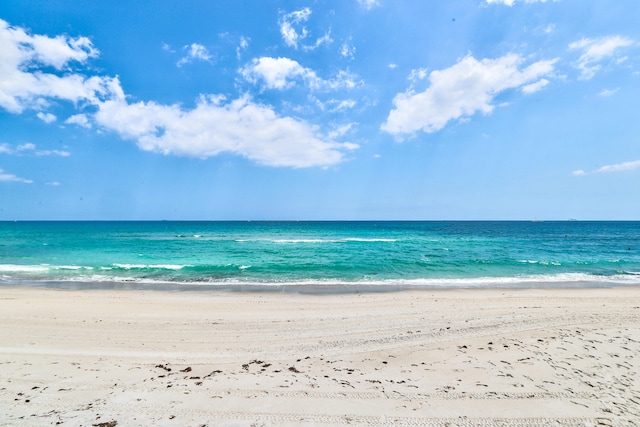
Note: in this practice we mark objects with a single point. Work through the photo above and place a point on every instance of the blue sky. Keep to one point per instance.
(350, 109)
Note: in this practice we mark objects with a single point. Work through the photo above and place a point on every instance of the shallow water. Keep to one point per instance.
(318, 255)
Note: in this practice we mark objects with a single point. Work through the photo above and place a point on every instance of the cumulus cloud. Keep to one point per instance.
(462, 90)
(244, 44)
(26, 84)
(241, 127)
(213, 127)
(294, 32)
(594, 51)
(341, 130)
(8, 177)
(195, 52)
(282, 73)
(46, 117)
(80, 120)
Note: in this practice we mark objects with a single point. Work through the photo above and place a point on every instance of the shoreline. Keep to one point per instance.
(315, 288)
(436, 357)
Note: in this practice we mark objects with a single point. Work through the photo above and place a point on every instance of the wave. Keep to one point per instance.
(13, 268)
(339, 240)
(150, 266)
(624, 278)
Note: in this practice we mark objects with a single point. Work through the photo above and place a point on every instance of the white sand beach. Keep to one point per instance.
(557, 357)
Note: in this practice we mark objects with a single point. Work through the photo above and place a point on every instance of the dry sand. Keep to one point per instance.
(544, 357)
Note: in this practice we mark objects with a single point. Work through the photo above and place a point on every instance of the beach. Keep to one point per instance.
(486, 357)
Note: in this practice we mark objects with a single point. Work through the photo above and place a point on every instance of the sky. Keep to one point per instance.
(320, 110)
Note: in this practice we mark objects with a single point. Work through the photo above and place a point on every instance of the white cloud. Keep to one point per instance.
(393, 66)
(341, 130)
(369, 4)
(294, 32)
(53, 183)
(46, 117)
(80, 120)
(326, 39)
(26, 147)
(244, 44)
(7, 177)
(276, 73)
(417, 74)
(27, 85)
(167, 48)
(347, 51)
(460, 91)
(30, 149)
(595, 51)
(345, 104)
(609, 92)
(282, 73)
(511, 2)
(239, 127)
(290, 35)
(195, 51)
(618, 167)
(534, 87)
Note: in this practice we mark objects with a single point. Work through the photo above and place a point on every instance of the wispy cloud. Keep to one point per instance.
(618, 167)
(8, 177)
(29, 149)
(289, 21)
(195, 52)
(294, 32)
(242, 46)
(594, 51)
(417, 74)
(460, 91)
(347, 50)
(167, 48)
(534, 87)
(512, 2)
(609, 92)
(282, 73)
(368, 4)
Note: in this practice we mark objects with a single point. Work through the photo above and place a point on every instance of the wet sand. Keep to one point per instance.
(435, 358)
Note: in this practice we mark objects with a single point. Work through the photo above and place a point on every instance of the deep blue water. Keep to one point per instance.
(348, 254)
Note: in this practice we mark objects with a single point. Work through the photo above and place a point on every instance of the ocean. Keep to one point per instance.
(333, 256)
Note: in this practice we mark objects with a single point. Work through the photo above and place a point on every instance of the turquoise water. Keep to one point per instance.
(183, 255)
